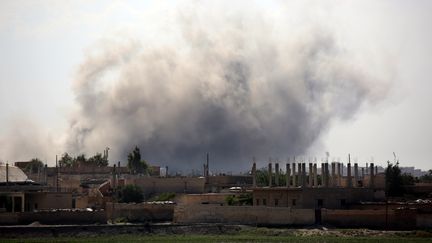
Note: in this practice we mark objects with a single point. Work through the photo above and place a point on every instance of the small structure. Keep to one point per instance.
(19, 194)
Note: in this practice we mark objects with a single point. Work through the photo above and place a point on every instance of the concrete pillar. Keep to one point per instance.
(327, 174)
(356, 175)
(288, 175)
(303, 174)
(45, 174)
(310, 175)
(277, 174)
(294, 180)
(322, 174)
(338, 174)
(333, 175)
(7, 173)
(372, 175)
(315, 177)
(349, 179)
(254, 174)
(114, 173)
(270, 174)
(299, 174)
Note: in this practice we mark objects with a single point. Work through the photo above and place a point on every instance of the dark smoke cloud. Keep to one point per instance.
(236, 87)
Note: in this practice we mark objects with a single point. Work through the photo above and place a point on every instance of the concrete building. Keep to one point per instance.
(332, 198)
(19, 194)
(328, 190)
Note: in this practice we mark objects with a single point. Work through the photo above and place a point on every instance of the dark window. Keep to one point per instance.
(293, 202)
(35, 207)
(264, 202)
(276, 202)
(320, 202)
(257, 202)
(343, 202)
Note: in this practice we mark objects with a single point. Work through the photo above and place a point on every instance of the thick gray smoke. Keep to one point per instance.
(236, 87)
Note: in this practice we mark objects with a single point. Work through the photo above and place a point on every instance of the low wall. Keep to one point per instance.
(58, 217)
(248, 215)
(207, 198)
(380, 219)
(140, 212)
(424, 221)
(155, 185)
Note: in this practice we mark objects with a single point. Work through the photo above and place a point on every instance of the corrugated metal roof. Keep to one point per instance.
(15, 174)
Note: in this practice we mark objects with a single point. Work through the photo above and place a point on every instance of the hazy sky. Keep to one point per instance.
(44, 44)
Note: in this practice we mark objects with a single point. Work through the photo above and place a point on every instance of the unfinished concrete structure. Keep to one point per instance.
(310, 190)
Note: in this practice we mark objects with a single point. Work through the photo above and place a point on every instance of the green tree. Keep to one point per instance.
(135, 164)
(34, 165)
(66, 160)
(394, 180)
(262, 177)
(98, 160)
(408, 179)
(131, 193)
(239, 199)
(426, 178)
(80, 159)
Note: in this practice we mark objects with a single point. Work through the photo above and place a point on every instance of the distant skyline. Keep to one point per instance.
(48, 49)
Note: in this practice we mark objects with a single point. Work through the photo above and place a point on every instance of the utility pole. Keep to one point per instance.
(57, 176)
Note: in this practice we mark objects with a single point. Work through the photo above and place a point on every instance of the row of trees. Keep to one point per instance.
(135, 163)
(97, 160)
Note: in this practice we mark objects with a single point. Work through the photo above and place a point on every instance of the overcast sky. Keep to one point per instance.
(44, 43)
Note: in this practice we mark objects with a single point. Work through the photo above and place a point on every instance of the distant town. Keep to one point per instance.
(90, 191)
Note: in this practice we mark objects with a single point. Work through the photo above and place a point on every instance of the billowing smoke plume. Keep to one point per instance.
(235, 85)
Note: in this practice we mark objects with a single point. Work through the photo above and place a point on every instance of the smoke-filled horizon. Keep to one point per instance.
(239, 80)
(234, 85)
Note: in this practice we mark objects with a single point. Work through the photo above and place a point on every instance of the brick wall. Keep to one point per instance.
(392, 219)
(140, 212)
(249, 215)
(58, 217)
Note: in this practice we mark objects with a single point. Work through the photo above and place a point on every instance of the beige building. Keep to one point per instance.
(310, 197)
(306, 188)
(19, 194)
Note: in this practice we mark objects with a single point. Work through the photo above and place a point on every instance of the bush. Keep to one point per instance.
(239, 200)
(131, 193)
(166, 196)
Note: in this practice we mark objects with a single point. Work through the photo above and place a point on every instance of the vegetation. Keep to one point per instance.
(131, 193)
(394, 180)
(97, 160)
(34, 165)
(239, 200)
(166, 196)
(262, 177)
(66, 160)
(241, 237)
(408, 179)
(135, 164)
(426, 178)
